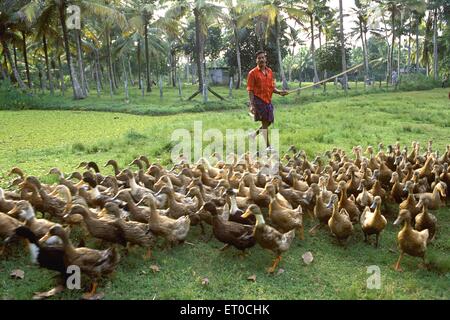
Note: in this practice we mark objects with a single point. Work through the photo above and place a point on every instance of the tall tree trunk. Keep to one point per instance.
(313, 50)
(41, 83)
(130, 71)
(11, 63)
(80, 62)
(97, 72)
(15, 56)
(49, 72)
(435, 46)
(417, 43)
(199, 46)
(61, 76)
(280, 59)
(238, 55)
(366, 62)
(4, 75)
(399, 51)
(110, 68)
(25, 58)
(344, 60)
(391, 64)
(127, 95)
(116, 77)
(409, 49)
(139, 63)
(147, 59)
(77, 91)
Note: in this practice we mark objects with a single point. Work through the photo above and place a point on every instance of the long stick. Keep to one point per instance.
(331, 78)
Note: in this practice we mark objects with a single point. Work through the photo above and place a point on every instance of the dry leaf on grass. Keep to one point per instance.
(307, 257)
(205, 281)
(252, 278)
(17, 274)
(280, 271)
(48, 294)
(97, 296)
(154, 268)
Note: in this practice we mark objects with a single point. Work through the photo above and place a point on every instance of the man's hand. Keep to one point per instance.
(284, 93)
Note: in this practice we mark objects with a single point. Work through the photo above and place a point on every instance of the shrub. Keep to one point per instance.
(416, 82)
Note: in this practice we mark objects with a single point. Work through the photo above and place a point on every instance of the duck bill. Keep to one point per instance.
(45, 238)
(373, 206)
(13, 211)
(397, 221)
(246, 214)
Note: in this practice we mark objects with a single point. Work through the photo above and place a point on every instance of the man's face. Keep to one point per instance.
(261, 60)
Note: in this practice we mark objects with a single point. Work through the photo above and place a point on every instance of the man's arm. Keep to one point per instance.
(251, 97)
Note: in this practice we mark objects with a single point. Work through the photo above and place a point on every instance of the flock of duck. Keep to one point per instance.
(244, 205)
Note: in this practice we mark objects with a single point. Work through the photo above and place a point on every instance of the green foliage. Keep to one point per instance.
(414, 82)
(329, 57)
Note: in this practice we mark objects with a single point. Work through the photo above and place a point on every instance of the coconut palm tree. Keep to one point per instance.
(9, 20)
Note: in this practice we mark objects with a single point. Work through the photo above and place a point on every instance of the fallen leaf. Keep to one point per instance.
(48, 294)
(17, 274)
(154, 268)
(307, 257)
(392, 250)
(252, 278)
(205, 281)
(280, 271)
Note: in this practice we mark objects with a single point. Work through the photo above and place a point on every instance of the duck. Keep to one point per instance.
(377, 189)
(7, 226)
(230, 233)
(344, 203)
(268, 237)
(173, 230)
(373, 222)
(235, 212)
(364, 198)
(176, 209)
(113, 163)
(26, 212)
(321, 212)
(135, 233)
(93, 263)
(136, 213)
(396, 193)
(105, 229)
(63, 181)
(426, 220)
(433, 199)
(339, 223)
(410, 241)
(285, 219)
(5, 204)
(410, 202)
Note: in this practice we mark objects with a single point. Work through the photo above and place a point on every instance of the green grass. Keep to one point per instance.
(38, 140)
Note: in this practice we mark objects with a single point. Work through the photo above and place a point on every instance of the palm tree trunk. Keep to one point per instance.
(435, 46)
(139, 63)
(80, 62)
(25, 58)
(417, 43)
(399, 54)
(147, 59)
(409, 49)
(127, 95)
(7, 55)
(47, 65)
(391, 64)
(15, 56)
(110, 68)
(199, 46)
(130, 72)
(97, 72)
(238, 55)
(77, 91)
(61, 75)
(313, 50)
(344, 60)
(366, 63)
(280, 59)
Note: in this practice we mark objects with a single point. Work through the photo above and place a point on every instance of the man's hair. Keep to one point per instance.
(260, 52)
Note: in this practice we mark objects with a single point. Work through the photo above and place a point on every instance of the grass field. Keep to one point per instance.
(38, 140)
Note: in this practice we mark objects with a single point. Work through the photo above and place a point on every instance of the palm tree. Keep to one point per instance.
(362, 13)
(9, 18)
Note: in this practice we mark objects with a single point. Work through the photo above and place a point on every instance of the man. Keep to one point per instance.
(260, 87)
